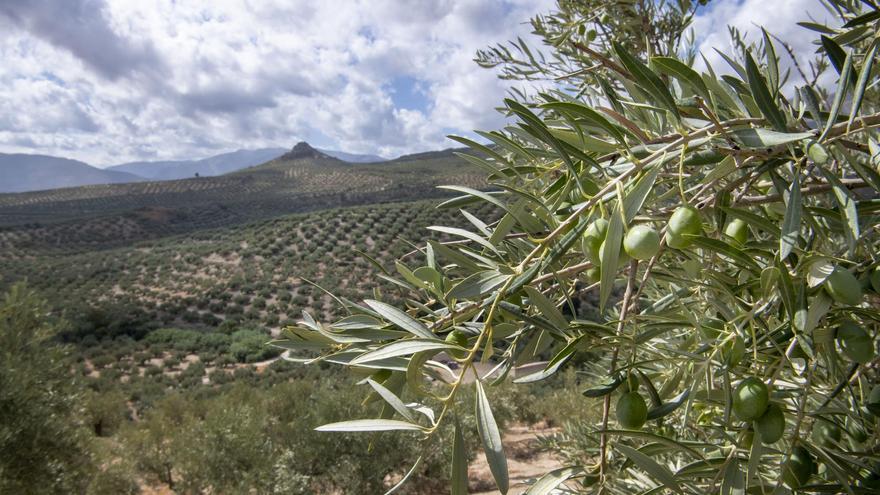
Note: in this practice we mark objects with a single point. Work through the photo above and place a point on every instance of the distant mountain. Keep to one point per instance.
(223, 163)
(206, 167)
(23, 172)
(352, 157)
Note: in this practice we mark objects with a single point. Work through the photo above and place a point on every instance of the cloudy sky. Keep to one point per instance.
(109, 81)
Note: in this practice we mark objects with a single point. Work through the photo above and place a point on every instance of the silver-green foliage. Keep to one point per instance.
(709, 331)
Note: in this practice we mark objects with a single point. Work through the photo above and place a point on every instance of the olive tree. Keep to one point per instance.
(727, 225)
(44, 446)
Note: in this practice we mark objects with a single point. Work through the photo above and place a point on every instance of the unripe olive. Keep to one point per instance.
(459, 338)
(875, 279)
(843, 287)
(817, 153)
(771, 424)
(685, 220)
(855, 342)
(381, 375)
(826, 434)
(799, 467)
(641, 242)
(873, 402)
(593, 239)
(738, 230)
(677, 241)
(750, 399)
(632, 412)
(622, 257)
(593, 274)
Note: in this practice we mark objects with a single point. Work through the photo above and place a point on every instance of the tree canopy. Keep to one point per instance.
(726, 224)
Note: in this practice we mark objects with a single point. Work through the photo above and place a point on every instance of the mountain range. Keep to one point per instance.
(26, 172)
(22, 172)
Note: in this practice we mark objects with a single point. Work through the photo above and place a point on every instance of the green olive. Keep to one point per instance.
(771, 424)
(799, 467)
(622, 257)
(843, 287)
(677, 241)
(817, 153)
(459, 338)
(855, 342)
(737, 230)
(826, 434)
(641, 242)
(593, 239)
(381, 375)
(875, 279)
(593, 274)
(685, 220)
(632, 412)
(750, 399)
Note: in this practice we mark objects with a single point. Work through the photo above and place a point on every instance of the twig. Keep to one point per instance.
(606, 406)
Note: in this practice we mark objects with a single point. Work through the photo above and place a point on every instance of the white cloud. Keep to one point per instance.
(778, 17)
(115, 80)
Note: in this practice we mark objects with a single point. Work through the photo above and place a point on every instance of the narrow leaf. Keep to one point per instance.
(392, 400)
(491, 438)
(762, 95)
(862, 83)
(791, 224)
(646, 78)
(406, 477)
(360, 425)
(545, 485)
(403, 348)
(840, 96)
(661, 473)
(609, 256)
(459, 463)
(848, 212)
(400, 319)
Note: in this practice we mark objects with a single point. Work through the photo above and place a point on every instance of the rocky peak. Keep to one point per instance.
(302, 150)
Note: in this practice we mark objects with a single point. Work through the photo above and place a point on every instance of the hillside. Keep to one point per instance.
(301, 180)
(223, 163)
(206, 167)
(218, 272)
(23, 172)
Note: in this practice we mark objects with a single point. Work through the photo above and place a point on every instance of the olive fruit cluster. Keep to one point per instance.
(751, 402)
(641, 242)
(685, 220)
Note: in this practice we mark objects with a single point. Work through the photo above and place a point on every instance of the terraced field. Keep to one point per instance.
(94, 217)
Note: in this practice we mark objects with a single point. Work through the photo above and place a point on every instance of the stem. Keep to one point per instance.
(606, 406)
(469, 360)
